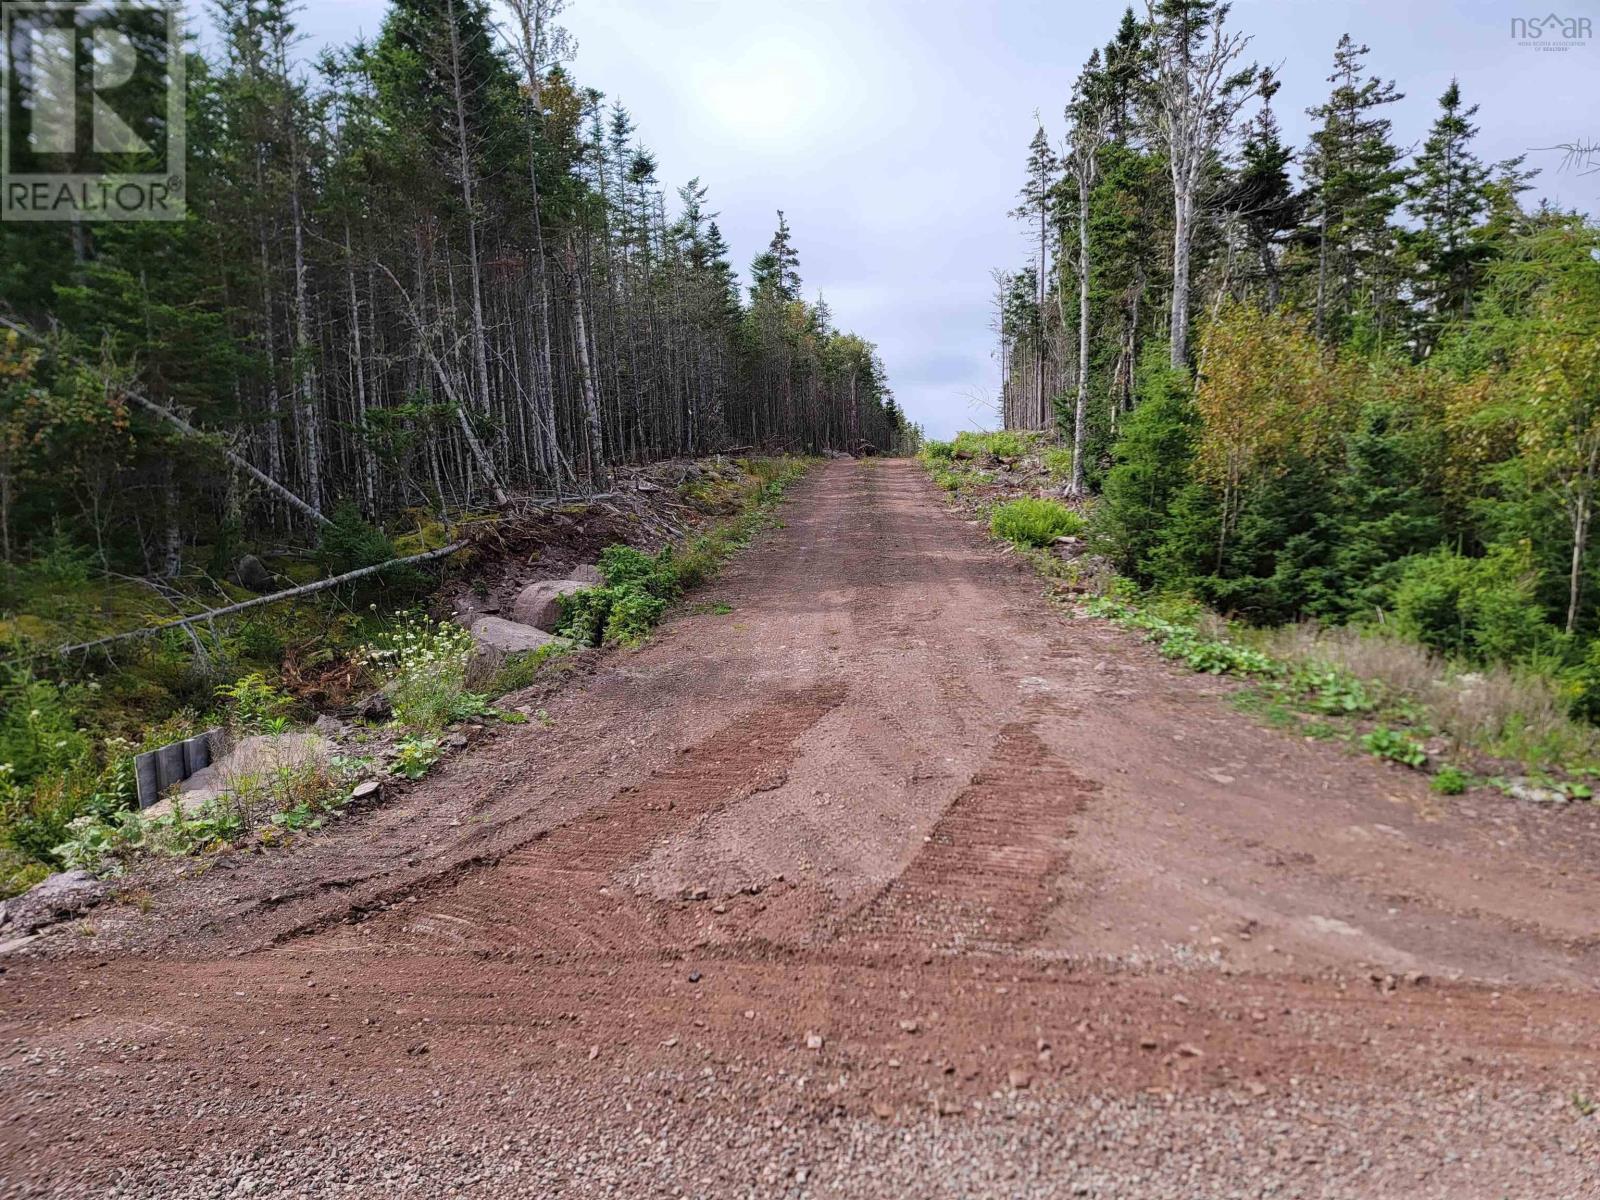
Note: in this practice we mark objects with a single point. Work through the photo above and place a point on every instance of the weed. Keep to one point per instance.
(415, 756)
(1004, 443)
(254, 703)
(423, 667)
(1450, 781)
(1030, 522)
(522, 670)
(1396, 747)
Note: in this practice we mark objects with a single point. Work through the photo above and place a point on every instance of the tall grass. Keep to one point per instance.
(1502, 711)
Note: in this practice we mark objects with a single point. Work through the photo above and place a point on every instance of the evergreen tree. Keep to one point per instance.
(1036, 206)
(1354, 182)
(1448, 192)
(1261, 194)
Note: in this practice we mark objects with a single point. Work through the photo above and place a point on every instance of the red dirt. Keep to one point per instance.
(890, 882)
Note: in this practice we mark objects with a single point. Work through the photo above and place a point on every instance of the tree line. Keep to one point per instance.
(427, 272)
(1339, 380)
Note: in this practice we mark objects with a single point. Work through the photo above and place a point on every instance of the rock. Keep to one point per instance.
(1019, 1079)
(813, 1041)
(508, 637)
(56, 898)
(1523, 788)
(328, 727)
(375, 707)
(1188, 1050)
(251, 573)
(694, 976)
(539, 604)
(367, 789)
(909, 1026)
(587, 574)
(644, 485)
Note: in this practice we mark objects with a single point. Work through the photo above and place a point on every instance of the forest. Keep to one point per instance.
(1344, 382)
(428, 272)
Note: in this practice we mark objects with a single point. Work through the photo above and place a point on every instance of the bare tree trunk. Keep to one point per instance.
(1182, 239)
(305, 371)
(480, 344)
(1081, 410)
(1581, 515)
(598, 476)
(367, 465)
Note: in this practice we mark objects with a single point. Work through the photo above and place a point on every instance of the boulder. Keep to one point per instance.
(57, 898)
(587, 574)
(508, 637)
(375, 707)
(252, 574)
(539, 604)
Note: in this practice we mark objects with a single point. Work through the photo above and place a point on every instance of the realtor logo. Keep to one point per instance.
(91, 110)
(1551, 33)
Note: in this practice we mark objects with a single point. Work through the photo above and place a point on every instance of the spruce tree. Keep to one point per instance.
(1355, 183)
(1448, 192)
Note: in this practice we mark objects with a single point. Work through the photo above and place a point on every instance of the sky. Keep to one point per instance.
(893, 132)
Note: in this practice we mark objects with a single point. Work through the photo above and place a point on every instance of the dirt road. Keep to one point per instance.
(890, 881)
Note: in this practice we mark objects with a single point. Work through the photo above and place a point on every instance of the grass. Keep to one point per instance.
(1058, 461)
(1003, 443)
(1498, 711)
(1029, 522)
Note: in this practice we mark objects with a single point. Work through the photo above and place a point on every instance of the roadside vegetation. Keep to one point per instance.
(638, 587)
(1331, 411)
(67, 793)
(1465, 721)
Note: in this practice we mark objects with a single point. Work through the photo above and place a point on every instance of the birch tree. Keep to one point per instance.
(1089, 117)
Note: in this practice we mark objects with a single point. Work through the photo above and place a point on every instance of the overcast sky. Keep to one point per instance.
(893, 132)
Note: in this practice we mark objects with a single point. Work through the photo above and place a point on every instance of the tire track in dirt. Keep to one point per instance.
(559, 894)
(986, 878)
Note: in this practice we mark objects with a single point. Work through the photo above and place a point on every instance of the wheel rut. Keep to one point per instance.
(986, 877)
(562, 893)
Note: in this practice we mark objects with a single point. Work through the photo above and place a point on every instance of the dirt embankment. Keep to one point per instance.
(886, 881)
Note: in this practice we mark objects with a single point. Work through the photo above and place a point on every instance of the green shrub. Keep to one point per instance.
(1029, 522)
(1396, 747)
(1450, 781)
(938, 451)
(584, 614)
(38, 725)
(1583, 685)
(1477, 608)
(349, 542)
(1152, 463)
(633, 614)
(254, 702)
(1058, 461)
